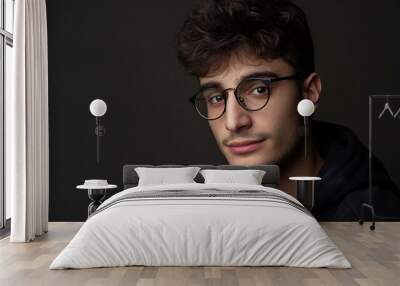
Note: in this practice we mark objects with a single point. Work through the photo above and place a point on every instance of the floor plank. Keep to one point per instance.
(374, 255)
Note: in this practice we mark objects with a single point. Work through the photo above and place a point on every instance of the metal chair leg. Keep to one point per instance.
(361, 221)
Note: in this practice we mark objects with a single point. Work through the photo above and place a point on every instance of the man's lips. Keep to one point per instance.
(246, 146)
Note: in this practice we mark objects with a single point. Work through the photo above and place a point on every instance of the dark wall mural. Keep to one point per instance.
(125, 53)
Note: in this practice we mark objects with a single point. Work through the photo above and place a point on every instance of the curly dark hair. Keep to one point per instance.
(270, 29)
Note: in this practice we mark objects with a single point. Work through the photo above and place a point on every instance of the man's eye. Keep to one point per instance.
(260, 90)
(215, 99)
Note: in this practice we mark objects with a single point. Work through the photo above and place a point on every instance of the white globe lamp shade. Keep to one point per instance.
(305, 107)
(98, 107)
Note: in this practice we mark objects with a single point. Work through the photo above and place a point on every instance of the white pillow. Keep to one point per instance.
(248, 176)
(160, 176)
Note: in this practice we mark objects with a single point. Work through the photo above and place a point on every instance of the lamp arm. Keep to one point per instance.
(97, 140)
(306, 132)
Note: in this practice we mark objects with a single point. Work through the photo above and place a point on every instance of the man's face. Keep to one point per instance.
(260, 137)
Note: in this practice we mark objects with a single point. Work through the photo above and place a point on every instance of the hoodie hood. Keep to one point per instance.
(345, 173)
(346, 163)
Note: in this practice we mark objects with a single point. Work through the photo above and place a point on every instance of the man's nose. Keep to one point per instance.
(236, 117)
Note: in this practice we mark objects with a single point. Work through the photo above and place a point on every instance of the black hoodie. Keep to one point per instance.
(345, 177)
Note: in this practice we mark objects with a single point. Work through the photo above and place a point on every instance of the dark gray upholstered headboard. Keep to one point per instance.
(271, 178)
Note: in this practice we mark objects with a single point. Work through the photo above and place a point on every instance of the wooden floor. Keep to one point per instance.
(374, 255)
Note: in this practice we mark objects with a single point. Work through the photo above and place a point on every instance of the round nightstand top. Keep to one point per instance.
(305, 178)
(88, 187)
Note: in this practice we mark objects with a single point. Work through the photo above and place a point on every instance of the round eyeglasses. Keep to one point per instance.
(252, 94)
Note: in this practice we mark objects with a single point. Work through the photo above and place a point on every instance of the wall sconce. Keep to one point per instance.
(98, 108)
(306, 108)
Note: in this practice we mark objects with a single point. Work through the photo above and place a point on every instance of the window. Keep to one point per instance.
(6, 62)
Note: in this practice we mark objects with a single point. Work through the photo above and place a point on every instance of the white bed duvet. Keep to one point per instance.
(201, 224)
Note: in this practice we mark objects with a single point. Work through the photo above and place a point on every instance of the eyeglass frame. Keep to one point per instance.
(266, 80)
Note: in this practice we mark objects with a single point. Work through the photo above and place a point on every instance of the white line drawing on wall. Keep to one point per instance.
(388, 109)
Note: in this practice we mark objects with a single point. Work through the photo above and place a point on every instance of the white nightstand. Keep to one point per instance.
(96, 194)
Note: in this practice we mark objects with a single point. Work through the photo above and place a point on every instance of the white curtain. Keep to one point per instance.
(27, 143)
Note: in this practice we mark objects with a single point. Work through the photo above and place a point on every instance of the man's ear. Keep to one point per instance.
(312, 88)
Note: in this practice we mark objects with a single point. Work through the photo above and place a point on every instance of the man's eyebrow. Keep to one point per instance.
(268, 74)
(211, 84)
(215, 84)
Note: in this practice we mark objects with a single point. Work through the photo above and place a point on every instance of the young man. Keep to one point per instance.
(255, 61)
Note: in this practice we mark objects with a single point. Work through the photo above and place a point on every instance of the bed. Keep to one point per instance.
(201, 224)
